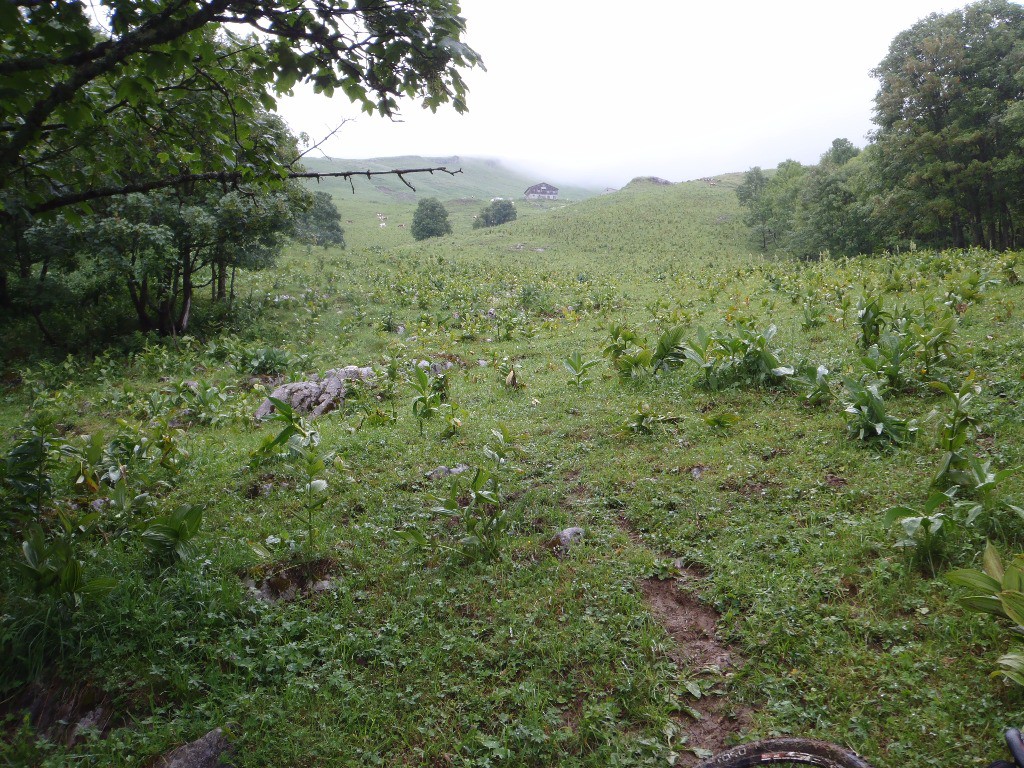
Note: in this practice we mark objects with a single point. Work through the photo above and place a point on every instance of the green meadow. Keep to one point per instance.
(737, 445)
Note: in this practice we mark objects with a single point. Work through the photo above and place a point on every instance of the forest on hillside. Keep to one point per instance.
(945, 165)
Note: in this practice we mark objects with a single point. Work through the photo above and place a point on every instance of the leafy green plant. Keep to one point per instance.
(169, 538)
(622, 339)
(997, 591)
(427, 400)
(922, 530)
(52, 569)
(813, 314)
(871, 319)
(269, 361)
(28, 471)
(955, 431)
(89, 452)
(721, 421)
(478, 505)
(982, 483)
(936, 335)
(634, 365)
(485, 520)
(293, 425)
(816, 382)
(578, 368)
(310, 466)
(892, 359)
(453, 416)
(503, 448)
(868, 418)
(740, 355)
(669, 351)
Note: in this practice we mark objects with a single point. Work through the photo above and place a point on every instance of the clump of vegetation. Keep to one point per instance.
(496, 213)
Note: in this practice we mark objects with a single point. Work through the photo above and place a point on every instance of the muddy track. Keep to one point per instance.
(699, 653)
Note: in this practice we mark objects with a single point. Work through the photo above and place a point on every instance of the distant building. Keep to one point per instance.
(542, 191)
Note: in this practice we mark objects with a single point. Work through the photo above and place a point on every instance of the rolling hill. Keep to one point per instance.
(480, 179)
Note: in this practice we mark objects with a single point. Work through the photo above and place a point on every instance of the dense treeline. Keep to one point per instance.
(944, 167)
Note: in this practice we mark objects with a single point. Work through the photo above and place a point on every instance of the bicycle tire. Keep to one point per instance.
(784, 752)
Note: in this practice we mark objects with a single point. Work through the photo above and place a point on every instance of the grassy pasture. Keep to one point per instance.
(417, 657)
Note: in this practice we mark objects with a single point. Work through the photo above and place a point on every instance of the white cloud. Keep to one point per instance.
(595, 90)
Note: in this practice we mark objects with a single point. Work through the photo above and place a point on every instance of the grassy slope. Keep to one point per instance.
(417, 659)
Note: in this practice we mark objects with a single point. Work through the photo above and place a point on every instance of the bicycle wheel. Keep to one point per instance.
(785, 752)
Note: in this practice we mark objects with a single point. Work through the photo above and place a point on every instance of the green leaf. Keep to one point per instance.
(983, 604)
(1013, 579)
(991, 563)
(897, 513)
(974, 580)
(1013, 605)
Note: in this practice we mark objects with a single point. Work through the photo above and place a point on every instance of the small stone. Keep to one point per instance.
(561, 541)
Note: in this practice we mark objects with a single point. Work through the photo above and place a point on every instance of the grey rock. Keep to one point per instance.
(564, 539)
(435, 368)
(443, 471)
(317, 395)
(204, 752)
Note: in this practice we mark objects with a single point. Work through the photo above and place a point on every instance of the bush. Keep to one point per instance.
(498, 212)
(430, 219)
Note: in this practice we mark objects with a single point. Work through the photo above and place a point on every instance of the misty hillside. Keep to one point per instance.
(480, 179)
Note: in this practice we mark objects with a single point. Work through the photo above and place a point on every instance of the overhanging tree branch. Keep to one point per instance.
(223, 177)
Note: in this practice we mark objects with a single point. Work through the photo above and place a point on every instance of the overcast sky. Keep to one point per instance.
(600, 92)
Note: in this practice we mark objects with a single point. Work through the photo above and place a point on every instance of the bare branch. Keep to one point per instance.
(320, 143)
(224, 177)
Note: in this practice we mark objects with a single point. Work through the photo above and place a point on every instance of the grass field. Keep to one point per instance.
(456, 636)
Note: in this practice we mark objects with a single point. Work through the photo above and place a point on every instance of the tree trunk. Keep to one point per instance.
(181, 322)
(222, 281)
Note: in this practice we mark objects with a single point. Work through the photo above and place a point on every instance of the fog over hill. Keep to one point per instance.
(474, 178)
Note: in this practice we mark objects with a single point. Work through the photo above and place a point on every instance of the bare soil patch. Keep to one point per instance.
(284, 583)
(692, 625)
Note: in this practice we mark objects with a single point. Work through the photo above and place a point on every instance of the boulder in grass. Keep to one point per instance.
(204, 752)
(318, 394)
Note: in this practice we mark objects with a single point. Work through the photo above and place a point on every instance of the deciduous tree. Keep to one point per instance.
(430, 219)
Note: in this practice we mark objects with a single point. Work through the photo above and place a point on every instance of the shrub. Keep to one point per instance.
(498, 212)
(430, 219)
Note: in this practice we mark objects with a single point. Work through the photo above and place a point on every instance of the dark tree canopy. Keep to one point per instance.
(320, 222)
(950, 115)
(430, 219)
(168, 90)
